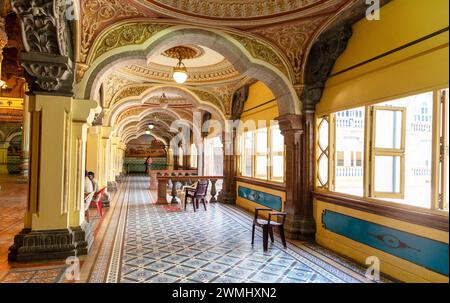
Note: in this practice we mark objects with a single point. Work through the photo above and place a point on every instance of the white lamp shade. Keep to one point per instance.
(180, 77)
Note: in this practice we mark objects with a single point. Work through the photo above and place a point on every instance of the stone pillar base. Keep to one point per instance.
(227, 198)
(112, 186)
(51, 244)
(4, 169)
(106, 202)
(22, 180)
(300, 228)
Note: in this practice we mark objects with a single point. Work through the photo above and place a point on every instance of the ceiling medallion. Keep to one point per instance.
(184, 51)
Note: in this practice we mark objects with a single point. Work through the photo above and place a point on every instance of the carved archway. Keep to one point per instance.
(223, 43)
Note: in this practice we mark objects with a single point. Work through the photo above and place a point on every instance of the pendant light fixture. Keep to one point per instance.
(180, 74)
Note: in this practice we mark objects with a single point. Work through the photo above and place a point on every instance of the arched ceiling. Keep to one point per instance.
(278, 32)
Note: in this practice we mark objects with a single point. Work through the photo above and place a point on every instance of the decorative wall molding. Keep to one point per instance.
(293, 39)
(130, 91)
(127, 34)
(111, 86)
(263, 52)
(210, 98)
(99, 13)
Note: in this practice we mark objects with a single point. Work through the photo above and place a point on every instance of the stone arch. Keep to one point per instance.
(142, 117)
(127, 137)
(13, 135)
(230, 48)
(127, 102)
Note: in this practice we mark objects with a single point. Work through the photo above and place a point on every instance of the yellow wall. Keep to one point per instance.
(259, 94)
(418, 68)
(421, 67)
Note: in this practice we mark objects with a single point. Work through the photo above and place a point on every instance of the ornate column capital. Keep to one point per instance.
(48, 46)
(290, 122)
(324, 53)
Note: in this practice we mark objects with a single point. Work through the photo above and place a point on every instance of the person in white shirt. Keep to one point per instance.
(88, 193)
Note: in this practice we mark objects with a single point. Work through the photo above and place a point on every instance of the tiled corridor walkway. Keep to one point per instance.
(150, 243)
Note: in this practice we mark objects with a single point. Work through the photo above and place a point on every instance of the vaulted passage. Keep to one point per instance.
(151, 141)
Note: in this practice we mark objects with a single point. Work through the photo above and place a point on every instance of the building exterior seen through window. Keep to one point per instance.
(261, 154)
(396, 151)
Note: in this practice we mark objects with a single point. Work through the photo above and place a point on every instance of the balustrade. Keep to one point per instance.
(167, 181)
(154, 174)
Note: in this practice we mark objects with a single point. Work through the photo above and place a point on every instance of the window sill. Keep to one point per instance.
(263, 183)
(428, 218)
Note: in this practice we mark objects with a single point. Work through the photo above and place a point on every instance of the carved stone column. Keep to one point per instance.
(3, 42)
(300, 222)
(4, 158)
(187, 161)
(54, 223)
(228, 192)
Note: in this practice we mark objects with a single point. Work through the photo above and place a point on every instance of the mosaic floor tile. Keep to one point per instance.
(212, 246)
(203, 276)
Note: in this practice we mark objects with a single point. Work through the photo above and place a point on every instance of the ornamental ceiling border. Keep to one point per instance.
(134, 33)
(118, 35)
(250, 13)
(209, 97)
(197, 76)
(134, 90)
(98, 14)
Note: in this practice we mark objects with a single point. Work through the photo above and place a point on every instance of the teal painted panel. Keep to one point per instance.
(264, 199)
(425, 252)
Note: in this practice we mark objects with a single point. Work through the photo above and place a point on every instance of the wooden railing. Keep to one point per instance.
(171, 181)
(154, 174)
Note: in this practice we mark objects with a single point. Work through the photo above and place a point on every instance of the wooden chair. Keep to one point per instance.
(267, 226)
(97, 201)
(197, 195)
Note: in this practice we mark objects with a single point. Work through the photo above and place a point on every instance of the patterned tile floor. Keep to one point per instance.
(163, 246)
(12, 209)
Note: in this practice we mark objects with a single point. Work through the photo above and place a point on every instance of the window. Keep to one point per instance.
(349, 147)
(323, 152)
(276, 154)
(387, 150)
(262, 154)
(247, 154)
(194, 156)
(443, 186)
(180, 156)
(261, 147)
(396, 151)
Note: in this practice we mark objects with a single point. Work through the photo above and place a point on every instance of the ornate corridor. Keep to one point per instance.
(325, 122)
